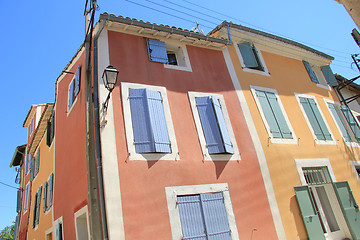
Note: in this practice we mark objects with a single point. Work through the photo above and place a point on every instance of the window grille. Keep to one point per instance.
(317, 175)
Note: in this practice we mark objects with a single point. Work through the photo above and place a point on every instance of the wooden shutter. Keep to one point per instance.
(316, 121)
(310, 72)
(51, 187)
(209, 125)
(339, 122)
(38, 202)
(46, 185)
(191, 217)
(77, 81)
(351, 121)
(158, 121)
(248, 55)
(32, 168)
(309, 214)
(35, 211)
(37, 162)
(157, 50)
(222, 126)
(215, 216)
(329, 76)
(349, 207)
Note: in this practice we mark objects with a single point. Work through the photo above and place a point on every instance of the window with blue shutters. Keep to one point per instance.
(273, 115)
(149, 130)
(311, 72)
(213, 125)
(315, 119)
(74, 88)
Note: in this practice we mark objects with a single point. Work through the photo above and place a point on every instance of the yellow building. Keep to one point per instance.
(306, 142)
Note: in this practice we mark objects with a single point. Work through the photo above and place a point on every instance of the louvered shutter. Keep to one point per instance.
(329, 76)
(35, 210)
(45, 196)
(352, 122)
(209, 125)
(37, 162)
(158, 121)
(191, 217)
(77, 81)
(157, 51)
(38, 205)
(215, 216)
(222, 126)
(311, 73)
(349, 207)
(309, 214)
(317, 123)
(248, 55)
(339, 122)
(51, 187)
(32, 168)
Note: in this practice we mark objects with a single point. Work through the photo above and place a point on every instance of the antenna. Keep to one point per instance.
(197, 29)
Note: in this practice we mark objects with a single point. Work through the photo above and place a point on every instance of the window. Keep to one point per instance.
(31, 129)
(213, 126)
(35, 164)
(323, 76)
(149, 130)
(351, 121)
(59, 229)
(172, 54)
(273, 114)
(74, 88)
(250, 58)
(201, 212)
(50, 129)
(81, 224)
(356, 168)
(26, 198)
(28, 163)
(315, 119)
(37, 202)
(48, 193)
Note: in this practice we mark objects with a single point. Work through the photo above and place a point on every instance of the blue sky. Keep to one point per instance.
(40, 37)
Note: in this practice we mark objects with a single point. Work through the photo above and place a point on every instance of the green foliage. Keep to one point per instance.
(7, 233)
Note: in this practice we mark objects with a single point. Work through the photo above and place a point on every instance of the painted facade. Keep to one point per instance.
(285, 101)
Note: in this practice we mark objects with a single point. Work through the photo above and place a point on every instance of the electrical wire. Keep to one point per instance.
(9, 185)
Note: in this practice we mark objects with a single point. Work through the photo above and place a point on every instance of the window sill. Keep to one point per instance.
(264, 73)
(284, 141)
(323, 142)
(323, 86)
(177, 67)
(153, 156)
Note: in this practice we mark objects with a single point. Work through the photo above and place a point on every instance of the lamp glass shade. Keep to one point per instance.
(110, 77)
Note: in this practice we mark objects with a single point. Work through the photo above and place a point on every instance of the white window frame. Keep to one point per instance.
(26, 200)
(56, 225)
(320, 142)
(174, 214)
(49, 231)
(260, 57)
(353, 142)
(133, 155)
(321, 78)
(204, 149)
(83, 211)
(182, 56)
(313, 162)
(292, 140)
(74, 100)
(355, 164)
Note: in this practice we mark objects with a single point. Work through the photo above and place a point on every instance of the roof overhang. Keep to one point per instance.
(18, 155)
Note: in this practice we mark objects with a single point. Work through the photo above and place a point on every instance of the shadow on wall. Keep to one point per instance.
(300, 227)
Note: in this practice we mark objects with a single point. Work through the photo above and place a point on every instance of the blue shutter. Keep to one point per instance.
(209, 125)
(222, 126)
(339, 122)
(157, 50)
(143, 139)
(315, 119)
(46, 185)
(352, 122)
(77, 81)
(37, 161)
(248, 55)
(18, 201)
(311, 73)
(215, 215)
(51, 187)
(329, 76)
(32, 168)
(191, 217)
(71, 94)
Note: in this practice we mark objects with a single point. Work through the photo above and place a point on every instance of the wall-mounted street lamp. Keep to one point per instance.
(109, 77)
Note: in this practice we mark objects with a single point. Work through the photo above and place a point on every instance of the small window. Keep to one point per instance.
(59, 230)
(37, 202)
(74, 88)
(251, 59)
(50, 130)
(172, 54)
(323, 76)
(31, 129)
(26, 198)
(273, 114)
(28, 163)
(81, 224)
(356, 167)
(213, 126)
(35, 165)
(48, 193)
(148, 122)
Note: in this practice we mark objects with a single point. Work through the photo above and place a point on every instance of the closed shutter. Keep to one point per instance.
(77, 81)
(222, 125)
(310, 72)
(48, 133)
(38, 202)
(352, 122)
(18, 201)
(51, 187)
(329, 76)
(309, 214)
(349, 207)
(37, 162)
(339, 122)
(215, 215)
(191, 217)
(32, 168)
(209, 125)
(35, 211)
(248, 55)
(45, 196)
(71, 94)
(157, 50)
(317, 123)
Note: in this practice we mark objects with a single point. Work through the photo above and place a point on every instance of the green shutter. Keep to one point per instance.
(51, 183)
(329, 76)
(37, 162)
(38, 205)
(311, 73)
(351, 120)
(339, 122)
(248, 55)
(309, 214)
(349, 207)
(34, 212)
(32, 168)
(45, 196)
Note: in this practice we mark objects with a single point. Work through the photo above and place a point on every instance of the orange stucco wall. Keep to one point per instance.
(289, 76)
(143, 183)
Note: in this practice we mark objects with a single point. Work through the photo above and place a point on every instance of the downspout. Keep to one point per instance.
(97, 136)
(228, 31)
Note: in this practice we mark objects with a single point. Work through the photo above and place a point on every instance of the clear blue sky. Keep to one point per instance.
(40, 37)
